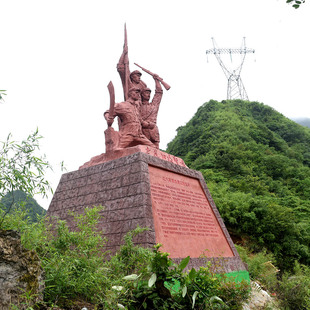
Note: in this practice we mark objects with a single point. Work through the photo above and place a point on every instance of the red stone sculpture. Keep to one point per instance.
(149, 111)
(141, 185)
(130, 128)
(137, 116)
(132, 79)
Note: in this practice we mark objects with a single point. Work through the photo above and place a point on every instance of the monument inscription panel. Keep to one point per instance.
(184, 220)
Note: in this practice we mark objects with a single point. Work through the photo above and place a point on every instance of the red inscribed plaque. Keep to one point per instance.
(184, 220)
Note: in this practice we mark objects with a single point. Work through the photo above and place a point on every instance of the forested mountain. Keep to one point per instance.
(303, 121)
(256, 163)
(22, 201)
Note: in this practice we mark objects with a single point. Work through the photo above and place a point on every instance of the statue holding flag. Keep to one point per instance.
(137, 116)
(132, 79)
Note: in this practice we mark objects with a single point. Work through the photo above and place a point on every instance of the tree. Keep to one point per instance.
(22, 201)
(22, 170)
(256, 163)
(296, 3)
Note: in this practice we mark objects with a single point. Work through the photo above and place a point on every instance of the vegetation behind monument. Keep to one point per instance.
(256, 163)
(22, 171)
(33, 210)
(75, 268)
(77, 271)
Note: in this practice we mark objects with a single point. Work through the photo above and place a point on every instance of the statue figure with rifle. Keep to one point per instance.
(149, 110)
(137, 117)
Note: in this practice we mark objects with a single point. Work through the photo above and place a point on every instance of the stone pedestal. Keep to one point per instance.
(151, 189)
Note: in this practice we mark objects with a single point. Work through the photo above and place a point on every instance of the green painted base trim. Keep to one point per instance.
(238, 276)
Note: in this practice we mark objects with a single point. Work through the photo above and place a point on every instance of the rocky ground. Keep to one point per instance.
(260, 299)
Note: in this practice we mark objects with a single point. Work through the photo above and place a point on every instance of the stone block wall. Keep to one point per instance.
(123, 187)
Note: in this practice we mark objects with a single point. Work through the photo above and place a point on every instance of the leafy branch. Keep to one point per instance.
(21, 169)
(2, 93)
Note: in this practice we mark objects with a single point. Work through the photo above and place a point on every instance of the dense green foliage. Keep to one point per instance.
(77, 270)
(291, 288)
(256, 163)
(21, 200)
(78, 273)
(162, 284)
(294, 289)
(73, 262)
(22, 169)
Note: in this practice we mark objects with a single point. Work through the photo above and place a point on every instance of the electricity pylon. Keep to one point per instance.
(235, 88)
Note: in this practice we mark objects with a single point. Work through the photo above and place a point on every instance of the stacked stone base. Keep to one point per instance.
(170, 199)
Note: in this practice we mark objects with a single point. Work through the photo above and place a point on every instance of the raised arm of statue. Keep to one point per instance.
(123, 70)
(158, 92)
(149, 110)
(123, 60)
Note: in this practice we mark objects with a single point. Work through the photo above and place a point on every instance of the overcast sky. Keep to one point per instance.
(57, 58)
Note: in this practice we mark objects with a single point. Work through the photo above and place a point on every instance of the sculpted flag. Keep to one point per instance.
(128, 79)
(126, 65)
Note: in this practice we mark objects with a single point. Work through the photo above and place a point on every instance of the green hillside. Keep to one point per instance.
(256, 163)
(22, 201)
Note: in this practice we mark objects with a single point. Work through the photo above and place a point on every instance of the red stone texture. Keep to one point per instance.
(108, 156)
(125, 187)
(184, 221)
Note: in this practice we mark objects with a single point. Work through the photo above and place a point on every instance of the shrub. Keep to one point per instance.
(77, 269)
(294, 289)
(164, 285)
(73, 261)
(21, 169)
(261, 267)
